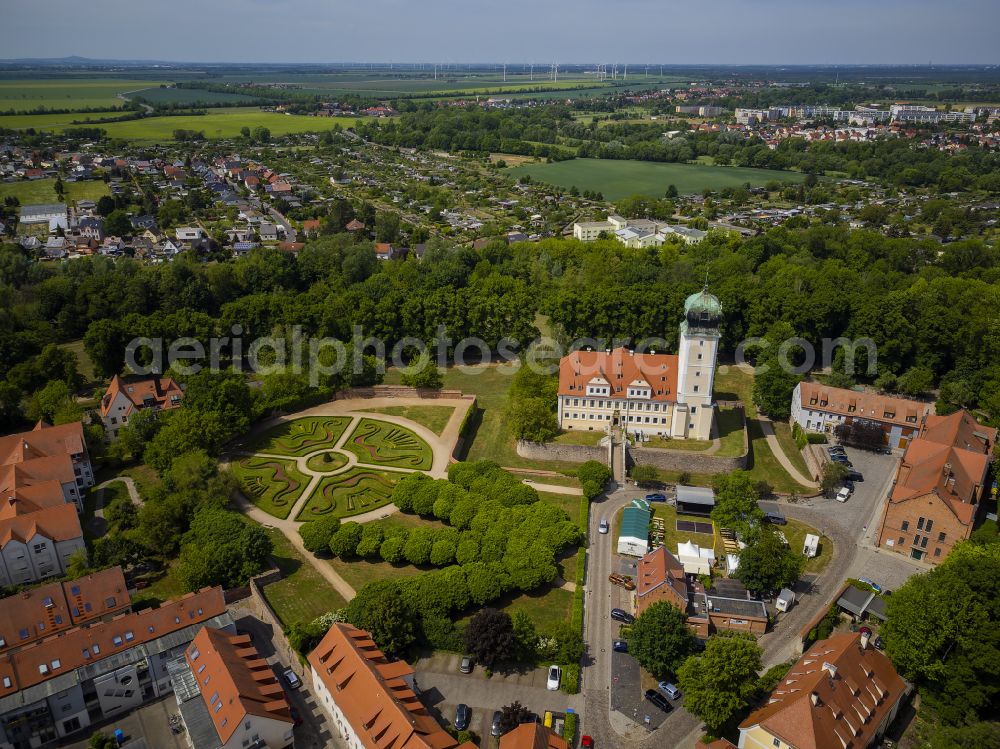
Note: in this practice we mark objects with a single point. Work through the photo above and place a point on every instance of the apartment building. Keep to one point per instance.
(841, 693)
(637, 233)
(60, 685)
(941, 482)
(125, 397)
(372, 701)
(653, 394)
(818, 408)
(229, 696)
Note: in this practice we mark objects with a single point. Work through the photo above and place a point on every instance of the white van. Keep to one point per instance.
(843, 494)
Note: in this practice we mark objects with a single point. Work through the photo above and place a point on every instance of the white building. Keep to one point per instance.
(633, 536)
(655, 394)
(637, 233)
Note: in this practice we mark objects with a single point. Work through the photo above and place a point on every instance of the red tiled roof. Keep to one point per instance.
(230, 667)
(620, 369)
(157, 392)
(848, 706)
(660, 567)
(863, 405)
(373, 694)
(948, 458)
(44, 659)
(59, 523)
(532, 736)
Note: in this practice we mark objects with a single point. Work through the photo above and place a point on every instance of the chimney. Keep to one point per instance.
(830, 668)
(864, 640)
(814, 696)
(947, 469)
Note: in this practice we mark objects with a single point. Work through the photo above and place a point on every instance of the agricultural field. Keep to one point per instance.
(32, 191)
(350, 493)
(217, 123)
(66, 93)
(300, 437)
(619, 179)
(53, 121)
(186, 96)
(383, 444)
(271, 484)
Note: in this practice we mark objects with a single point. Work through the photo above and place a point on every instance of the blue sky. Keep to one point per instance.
(655, 31)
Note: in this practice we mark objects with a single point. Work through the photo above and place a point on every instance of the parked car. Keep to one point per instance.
(555, 676)
(849, 485)
(462, 716)
(495, 726)
(842, 459)
(657, 497)
(530, 717)
(620, 646)
(467, 665)
(853, 475)
(775, 518)
(621, 615)
(623, 580)
(843, 495)
(879, 643)
(659, 700)
(604, 527)
(292, 678)
(874, 586)
(833, 449)
(586, 742)
(670, 690)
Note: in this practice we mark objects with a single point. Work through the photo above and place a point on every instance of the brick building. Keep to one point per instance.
(940, 484)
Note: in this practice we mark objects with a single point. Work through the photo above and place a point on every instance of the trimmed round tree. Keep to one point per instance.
(660, 639)
(316, 534)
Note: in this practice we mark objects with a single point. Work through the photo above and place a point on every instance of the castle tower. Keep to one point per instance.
(697, 354)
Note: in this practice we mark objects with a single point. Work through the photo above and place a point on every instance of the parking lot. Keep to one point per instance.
(442, 687)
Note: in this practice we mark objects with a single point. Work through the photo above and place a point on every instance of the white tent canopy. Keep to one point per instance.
(694, 559)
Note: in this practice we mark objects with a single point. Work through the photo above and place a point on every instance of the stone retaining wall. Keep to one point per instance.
(683, 460)
(567, 453)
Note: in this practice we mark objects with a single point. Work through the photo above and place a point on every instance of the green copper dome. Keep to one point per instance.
(702, 313)
(703, 303)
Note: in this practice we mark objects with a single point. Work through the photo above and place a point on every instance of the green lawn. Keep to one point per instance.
(491, 439)
(359, 572)
(86, 366)
(672, 537)
(670, 443)
(300, 437)
(795, 531)
(730, 423)
(33, 191)
(302, 594)
(66, 93)
(569, 503)
(356, 491)
(434, 418)
(580, 437)
(546, 606)
(732, 383)
(271, 484)
(784, 434)
(380, 443)
(618, 179)
(327, 462)
(49, 121)
(218, 123)
(162, 587)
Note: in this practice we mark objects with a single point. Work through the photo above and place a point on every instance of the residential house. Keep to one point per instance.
(819, 408)
(268, 232)
(40, 612)
(47, 461)
(841, 693)
(91, 227)
(940, 487)
(124, 397)
(189, 233)
(385, 251)
(64, 683)
(311, 226)
(660, 577)
(56, 248)
(354, 225)
(230, 697)
(371, 701)
(145, 223)
(532, 736)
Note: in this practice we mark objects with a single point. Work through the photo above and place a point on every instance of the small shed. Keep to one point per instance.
(633, 538)
(861, 603)
(694, 559)
(810, 546)
(785, 600)
(695, 500)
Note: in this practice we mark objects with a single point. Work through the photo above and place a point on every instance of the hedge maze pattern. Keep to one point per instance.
(273, 485)
(301, 436)
(380, 443)
(350, 493)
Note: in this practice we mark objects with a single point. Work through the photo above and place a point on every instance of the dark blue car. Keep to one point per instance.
(656, 497)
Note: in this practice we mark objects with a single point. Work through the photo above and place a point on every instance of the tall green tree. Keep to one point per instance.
(379, 609)
(767, 564)
(660, 639)
(736, 501)
(721, 681)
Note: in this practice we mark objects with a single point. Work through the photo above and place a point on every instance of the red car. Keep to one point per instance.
(587, 743)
